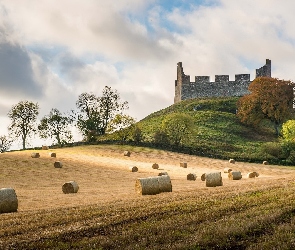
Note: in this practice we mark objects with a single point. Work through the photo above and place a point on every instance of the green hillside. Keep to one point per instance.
(217, 131)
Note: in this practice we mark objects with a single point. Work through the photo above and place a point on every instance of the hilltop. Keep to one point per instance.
(217, 131)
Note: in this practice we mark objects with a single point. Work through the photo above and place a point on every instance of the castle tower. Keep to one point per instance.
(264, 70)
(181, 80)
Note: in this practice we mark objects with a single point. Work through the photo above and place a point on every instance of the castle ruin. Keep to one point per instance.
(222, 87)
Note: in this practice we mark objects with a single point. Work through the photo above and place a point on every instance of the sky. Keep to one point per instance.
(51, 51)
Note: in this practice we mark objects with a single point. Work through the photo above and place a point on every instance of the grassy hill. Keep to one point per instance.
(217, 131)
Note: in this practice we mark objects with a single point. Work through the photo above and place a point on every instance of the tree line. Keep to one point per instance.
(95, 116)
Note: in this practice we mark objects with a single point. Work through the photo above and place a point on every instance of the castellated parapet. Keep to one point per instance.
(222, 87)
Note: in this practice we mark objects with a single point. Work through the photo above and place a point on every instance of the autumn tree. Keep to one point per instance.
(23, 120)
(56, 125)
(270, 99)
(178, 127)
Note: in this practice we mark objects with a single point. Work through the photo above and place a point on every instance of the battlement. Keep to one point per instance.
(222, 87)
(221, 78)
(242, 77)
(202, 79)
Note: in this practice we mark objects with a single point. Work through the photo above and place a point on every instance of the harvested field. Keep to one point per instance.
(108, 213)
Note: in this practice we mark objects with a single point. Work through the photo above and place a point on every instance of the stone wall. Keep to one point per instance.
(222, 87)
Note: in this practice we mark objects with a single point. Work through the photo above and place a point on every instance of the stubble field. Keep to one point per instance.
(107, 213)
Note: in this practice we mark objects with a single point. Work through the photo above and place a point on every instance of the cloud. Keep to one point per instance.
(57, 94)
(16, 72)
(96, 26)
(233, 37)
(52, 51)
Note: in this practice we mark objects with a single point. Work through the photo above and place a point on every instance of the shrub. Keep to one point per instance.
(178, 127)
(291, 157)
(160, 137)
(275, 149)
(137, 135)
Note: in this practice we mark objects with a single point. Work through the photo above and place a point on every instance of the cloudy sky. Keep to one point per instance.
(53, 50)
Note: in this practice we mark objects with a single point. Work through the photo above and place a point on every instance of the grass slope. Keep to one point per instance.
(217, 133)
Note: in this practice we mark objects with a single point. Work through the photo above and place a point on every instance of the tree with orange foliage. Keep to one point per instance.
(270, 99)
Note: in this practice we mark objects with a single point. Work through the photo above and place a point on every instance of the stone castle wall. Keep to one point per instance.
(222, 87)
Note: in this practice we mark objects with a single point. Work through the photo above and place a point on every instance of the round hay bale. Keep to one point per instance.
(162, 173)
(251, 175)
(191, 177)
(8, 200)
(155, 166)
(235, 175)
(203, 177)
(147, 186)
(45, 147)
(127, 153)
(265, 163)
(213, 179)
(133, 169)
(35, 155)
(232, 161)
(183, 164)
(58, 164)
(70, 187)
(227, 170)
(256, 174)
(164, 183)
(52, 155)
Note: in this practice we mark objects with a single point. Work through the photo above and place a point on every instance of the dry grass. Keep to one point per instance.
(107, 213)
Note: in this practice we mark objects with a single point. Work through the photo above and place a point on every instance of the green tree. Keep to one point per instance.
(23, 120)
(56, 125)
(288, 130)
(121, 126)
(137, 135)
(110, 106)
(88, 118)
(96, 112)
(5, 143)
(288, 142)
(178, 127)
(270, 99)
